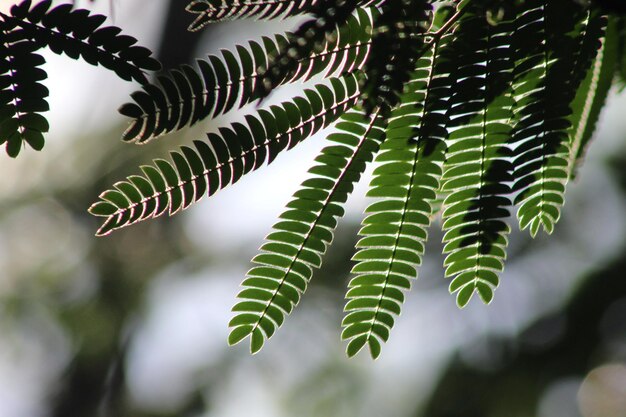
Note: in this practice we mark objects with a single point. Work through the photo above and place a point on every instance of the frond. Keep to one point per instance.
(75, 33)
(189, 95)
(394, 232)
(285, 265)
(478, 168)
(78, 34)
(546, 38)
(224, 158)
(23, 97)
(593, 92)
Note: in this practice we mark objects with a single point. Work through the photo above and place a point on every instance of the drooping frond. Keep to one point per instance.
(223, 158)
(23, 97)
(395, 229)
(285, 265)
(478, 168)
(589, 32)
(210, 11)
(235, 79)
(75, 33)
(547, 40)
(593, 91)
(79, 34)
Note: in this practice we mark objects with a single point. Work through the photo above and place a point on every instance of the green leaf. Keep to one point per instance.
(355, 345)
(478, 166)
(557, 49)
(593, 91)
(217, 84)
(303, 239)
(239, 333)
(407, 179)
(256, 341)
(225, 157)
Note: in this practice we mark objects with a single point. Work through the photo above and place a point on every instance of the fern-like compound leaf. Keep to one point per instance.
(22, 97)
(223, 158)
(79, 34)
(478, 168)
(395, 229)
(594, 89)
(296, 245)
(75, 33)
(545, 38)
(189, 95)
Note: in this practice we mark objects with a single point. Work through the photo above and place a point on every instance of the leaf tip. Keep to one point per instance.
(256, 341)
(355, 345)
(237, 334)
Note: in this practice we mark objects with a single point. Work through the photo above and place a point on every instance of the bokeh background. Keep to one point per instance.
(135, 324)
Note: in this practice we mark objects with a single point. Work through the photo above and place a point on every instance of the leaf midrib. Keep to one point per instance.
(219, 166)
(325, 206)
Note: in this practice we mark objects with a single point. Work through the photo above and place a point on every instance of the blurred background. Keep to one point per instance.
(135, 324)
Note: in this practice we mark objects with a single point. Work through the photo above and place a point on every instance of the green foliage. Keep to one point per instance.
(300, 238)
(467, 108)
(235, 79)
(224, 158)
(542, 87)
(478, 166)
(593, 91)
(75, 33)
(394, 232)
